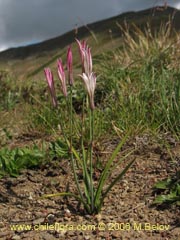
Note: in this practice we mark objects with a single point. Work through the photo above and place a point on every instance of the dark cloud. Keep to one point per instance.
(28, 21)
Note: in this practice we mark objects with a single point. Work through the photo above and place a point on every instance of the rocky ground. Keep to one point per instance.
(127, 213)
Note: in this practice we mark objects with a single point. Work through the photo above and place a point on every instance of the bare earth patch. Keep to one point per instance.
(127, 213)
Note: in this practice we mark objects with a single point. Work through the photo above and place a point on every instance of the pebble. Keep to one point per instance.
(67, 213)
(19, 206)
(80, 218)
(88, 217)
(51, 218)
(16, 237)
(87, 237)
(30, 196)
(67, 219)
(116, 234)
(98, 217)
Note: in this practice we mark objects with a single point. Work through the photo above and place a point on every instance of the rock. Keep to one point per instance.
(50, 218)
(116, 234)
(16, 237)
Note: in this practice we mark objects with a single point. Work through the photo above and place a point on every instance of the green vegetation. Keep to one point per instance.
(170, 188)
(12, 161)
(138, 90)
(9, 97)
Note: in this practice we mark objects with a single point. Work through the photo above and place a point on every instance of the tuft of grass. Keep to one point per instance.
(148, 45)
(10, 94)
(142, 91)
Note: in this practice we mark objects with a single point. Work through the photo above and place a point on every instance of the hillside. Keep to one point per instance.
(103, 36)
(102, 29)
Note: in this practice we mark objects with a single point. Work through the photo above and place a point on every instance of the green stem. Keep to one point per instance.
(91, 115)
(71, 121)
(71, 153)
(84, 156)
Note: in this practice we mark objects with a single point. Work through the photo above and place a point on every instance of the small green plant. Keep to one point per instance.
(170, 188)
(58, 149)
(12, 161)
(10, 95)
(93, 192)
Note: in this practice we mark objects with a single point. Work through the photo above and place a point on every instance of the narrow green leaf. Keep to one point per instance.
(61, 195)
(163, 184)
(160, 199)
(121, 159)
(118, 178)
(106, 172)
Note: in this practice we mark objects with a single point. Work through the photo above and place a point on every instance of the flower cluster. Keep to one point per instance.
(88, 76)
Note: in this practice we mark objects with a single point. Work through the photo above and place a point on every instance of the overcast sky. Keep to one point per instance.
(24, 22)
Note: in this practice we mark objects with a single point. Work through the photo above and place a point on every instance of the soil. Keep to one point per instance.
(127, 213)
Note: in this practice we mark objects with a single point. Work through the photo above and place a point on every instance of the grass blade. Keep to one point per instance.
(106, 172)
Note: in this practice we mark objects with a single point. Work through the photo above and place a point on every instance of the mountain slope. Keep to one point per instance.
(102, 36)
(104, 27)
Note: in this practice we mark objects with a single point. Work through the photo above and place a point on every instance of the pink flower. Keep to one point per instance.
(86, 58)
(90, 85)
(69, 66)
(62, 77)
(88, 76)
(50, 81)
(87, 61)
(81, 45)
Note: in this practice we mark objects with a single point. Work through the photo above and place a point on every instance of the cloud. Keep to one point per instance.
(29, 21)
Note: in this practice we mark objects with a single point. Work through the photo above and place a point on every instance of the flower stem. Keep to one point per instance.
(91, 115)
(71, 154)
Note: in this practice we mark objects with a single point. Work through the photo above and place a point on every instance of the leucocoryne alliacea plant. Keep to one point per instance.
(92, 193)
